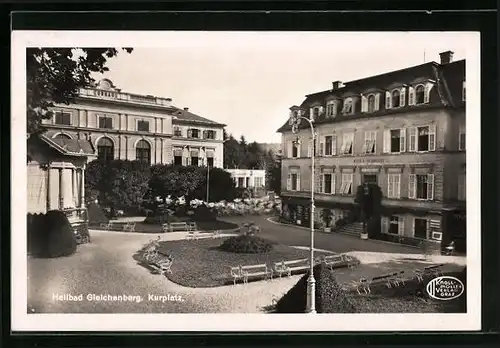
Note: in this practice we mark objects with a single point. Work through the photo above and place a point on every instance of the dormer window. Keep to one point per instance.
(348, 106)
(371, 103)
(395, 98)
(420, 94)
(315, 113)
(331, 109)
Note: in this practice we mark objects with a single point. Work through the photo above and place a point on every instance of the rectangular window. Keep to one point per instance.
(328, 145)
(347, 144)
(295, 150)
(330, 109)
(62, 118)
(105, 122)
(258, 182)
(177, 132)
(178, 160)
(423, 138)
(393, 225)
(294, 182)
(210, 162)
(209, 134)
(370, 142)
(327, 183)
(393, 185)
(422, 186)
(397, 140)
(194, 133)
(143, 126)
(346, 186)
(370, 179)
(420, 228)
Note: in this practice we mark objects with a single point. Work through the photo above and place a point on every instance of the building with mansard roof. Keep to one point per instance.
(122, 125)
(404, 130)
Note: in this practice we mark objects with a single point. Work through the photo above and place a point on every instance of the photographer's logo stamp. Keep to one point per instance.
(445, 288)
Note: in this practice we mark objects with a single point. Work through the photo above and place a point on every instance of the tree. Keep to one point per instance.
(231, 153)
(55, 76)
(273, 172)
(117, 184)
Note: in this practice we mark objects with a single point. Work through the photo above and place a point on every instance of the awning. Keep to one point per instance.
(194, 153)
(177, 152)
(73, 147)
(210, 153)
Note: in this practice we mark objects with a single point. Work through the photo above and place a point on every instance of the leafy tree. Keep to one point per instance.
(55, 75)
(174, 181)
(117, 184)
(221, 186)
(231, 153)
(273, 172)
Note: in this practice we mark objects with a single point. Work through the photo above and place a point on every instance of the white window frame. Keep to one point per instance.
(295, 144)
(413, 183)
(394, 185)
(425, 100)
(386, 222)
(375, 106)
(392, 92)
(346, 183)
(331, 108)
(323, 183)
(333, 148)
(413, 138)
(388, 140)
(370, 142)
(348, 101)
(347, 139)
(289, 180)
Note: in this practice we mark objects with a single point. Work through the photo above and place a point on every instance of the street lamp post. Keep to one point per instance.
(295, 121)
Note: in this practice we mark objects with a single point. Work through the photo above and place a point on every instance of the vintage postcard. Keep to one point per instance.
(215, 181)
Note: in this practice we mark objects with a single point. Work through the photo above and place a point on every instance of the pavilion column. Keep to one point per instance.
(47, 202)
(67, 187)
(74, 188)
(61, 185)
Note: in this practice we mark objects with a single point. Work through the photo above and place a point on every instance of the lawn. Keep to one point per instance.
(157, 228)
(201, 264)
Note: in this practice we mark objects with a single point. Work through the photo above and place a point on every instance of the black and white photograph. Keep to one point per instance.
(170, 177)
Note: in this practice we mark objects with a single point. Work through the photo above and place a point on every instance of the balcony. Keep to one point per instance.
(125, 97)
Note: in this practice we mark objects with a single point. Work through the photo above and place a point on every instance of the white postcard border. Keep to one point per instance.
(21, 321)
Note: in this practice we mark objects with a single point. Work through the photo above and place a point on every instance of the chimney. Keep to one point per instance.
(186, 109)
(446, 57)
(337, 84)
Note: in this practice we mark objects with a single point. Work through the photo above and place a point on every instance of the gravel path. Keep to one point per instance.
(106, 267)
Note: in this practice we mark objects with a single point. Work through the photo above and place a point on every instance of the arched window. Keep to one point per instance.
(419, 94)
(105, 149)
(395, 98)
(143, 151)
(62, 136)
(371, 103)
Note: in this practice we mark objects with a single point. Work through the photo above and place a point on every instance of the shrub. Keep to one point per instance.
(246, 244)
(59, 235)
(330, 298)
(204, 213)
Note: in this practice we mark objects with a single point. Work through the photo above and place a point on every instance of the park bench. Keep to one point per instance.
(287, 267)
(106, 225)
(429, 270)
(450, 249)
(162, 264)
(129, 226)
(256, 271)
(362, 285)
(175, 226)
(334, 261)
(236, 273)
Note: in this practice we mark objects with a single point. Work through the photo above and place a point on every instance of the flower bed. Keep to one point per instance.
(201, 263)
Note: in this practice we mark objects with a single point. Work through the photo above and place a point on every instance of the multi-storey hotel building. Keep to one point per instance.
(129, 126)
(404, 130)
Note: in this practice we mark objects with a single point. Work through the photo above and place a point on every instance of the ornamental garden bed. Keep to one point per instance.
(202, 263)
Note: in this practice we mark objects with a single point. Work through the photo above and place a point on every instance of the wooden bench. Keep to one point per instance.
(175, 226)
(338, 260)
(236, 273)
(163, 265)
(192, 235)
(106, 225)
(129, 226)
(434, 270)
(362, 285)
(256, 271)
(287, 267)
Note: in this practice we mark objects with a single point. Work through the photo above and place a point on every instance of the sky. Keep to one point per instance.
(249, 80)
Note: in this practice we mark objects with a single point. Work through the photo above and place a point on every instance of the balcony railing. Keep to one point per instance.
(126, 97)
